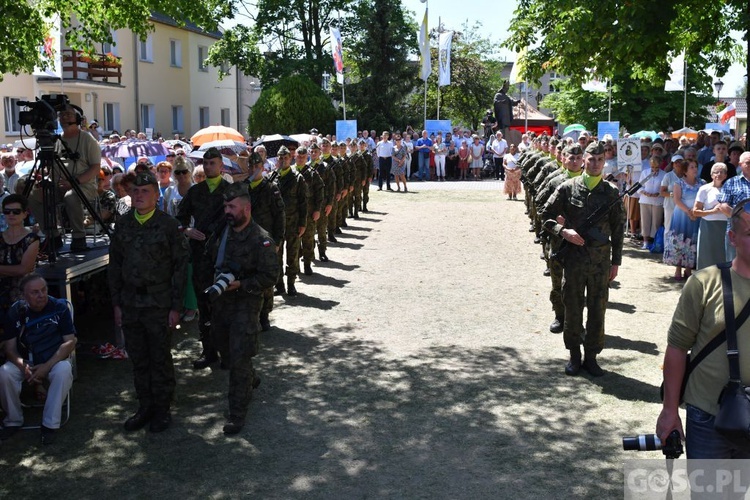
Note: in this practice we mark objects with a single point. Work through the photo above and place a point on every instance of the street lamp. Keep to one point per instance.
(718, 85)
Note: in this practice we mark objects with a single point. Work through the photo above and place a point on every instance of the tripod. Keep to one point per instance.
(47, 162)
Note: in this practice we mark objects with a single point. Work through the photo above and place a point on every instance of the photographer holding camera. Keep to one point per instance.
(246, 265)
(697, 321)
(83, 164)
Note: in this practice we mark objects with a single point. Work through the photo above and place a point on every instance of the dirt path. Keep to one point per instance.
(416, 364)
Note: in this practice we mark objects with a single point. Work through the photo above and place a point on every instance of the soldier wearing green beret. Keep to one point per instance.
(294, 192)
(204, 204)
(324, 169)
(244, 256)
(316, 192)
(268, 212)
(594, 259)
(148, 259)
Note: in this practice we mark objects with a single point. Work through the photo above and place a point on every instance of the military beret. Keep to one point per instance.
(574, 149)
(283, 150)
(342, 144)
(302, 150)
(145, 178)
(211, 153)
(324, 141)
(314, 145)
(255, 158)
(554, 141)
(595, 148)
(361, 141)
(236, 190)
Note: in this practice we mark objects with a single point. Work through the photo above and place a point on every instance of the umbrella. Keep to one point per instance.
(176, 142)
(272, 143)
(226, 146)
(229, 165)
(684, 130)
(215, 133)
(301, 138)
(645, 133)
(153, 159)
(135, 148)
(576, 127)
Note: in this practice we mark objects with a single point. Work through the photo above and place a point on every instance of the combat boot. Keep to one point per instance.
(332, 237)
(206, 359)
(364, 208)
(139, 419)
(290, 289)
(590, 365)
(557, 325)
(308, 269)
(160, 421)
(574, 365)
(322, 253)
(234, 425)
(280, 290)
(356, 214)
(265, 323)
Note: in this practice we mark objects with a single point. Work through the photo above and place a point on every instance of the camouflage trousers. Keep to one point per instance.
(235, 326)
(586, 284)
(291, 244)
(148, 340)
(331, 219)
(555, 295)
(365, 194)
(357, 197)
(308, 240)
(321, 226)
(343, 209)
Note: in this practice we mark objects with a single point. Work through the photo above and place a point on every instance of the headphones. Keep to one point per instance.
(78, 112)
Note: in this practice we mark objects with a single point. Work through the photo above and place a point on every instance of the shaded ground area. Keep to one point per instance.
(416, 364)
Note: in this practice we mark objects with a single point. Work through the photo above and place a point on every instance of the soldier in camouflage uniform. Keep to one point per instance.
(593, 260)
(148, 259)
(268, 212)
(204, 204)
(315, 192)
(247, 251)
(348, 187)
(572, 168)
(361, 168)
(326, 173)
(294, 192)
(367, 155)
(333, 167)
(341, 187)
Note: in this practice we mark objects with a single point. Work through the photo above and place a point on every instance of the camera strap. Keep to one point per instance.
(222, 249)
(733, 353)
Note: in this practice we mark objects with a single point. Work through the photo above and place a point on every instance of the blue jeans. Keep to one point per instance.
(424, 167)
(702, 441)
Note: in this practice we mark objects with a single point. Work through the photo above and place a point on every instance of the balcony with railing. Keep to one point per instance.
(97, 68)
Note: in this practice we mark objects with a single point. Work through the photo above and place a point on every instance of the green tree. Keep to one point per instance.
(25, 27)
(635, 107)
(379, 40)
(293, 105)
(475, 77)
(294, 32)
(607, 38)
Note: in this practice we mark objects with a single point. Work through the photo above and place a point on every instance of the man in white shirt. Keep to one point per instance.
(499, 148)
(384, 151)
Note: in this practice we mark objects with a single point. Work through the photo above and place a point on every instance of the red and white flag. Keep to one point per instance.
(727, 113)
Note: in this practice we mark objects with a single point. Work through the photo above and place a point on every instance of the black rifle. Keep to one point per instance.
(587, 227)
(273, 176)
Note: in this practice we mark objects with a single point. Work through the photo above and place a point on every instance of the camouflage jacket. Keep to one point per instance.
(206, 208)
(315, 191)
(294, 193)
(148, 262)
(268, 208)
(325, 170)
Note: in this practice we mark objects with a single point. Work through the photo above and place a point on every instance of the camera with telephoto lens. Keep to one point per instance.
(672, 447)
(220, 285)
(42, 113)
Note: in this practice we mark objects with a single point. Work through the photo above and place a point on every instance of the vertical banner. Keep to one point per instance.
(611, 128)
(676, 80)
(516, 70)
(346, 129)
(424, 49)
(444, 58)
(338, 54)
(49, 49)
(595, 85)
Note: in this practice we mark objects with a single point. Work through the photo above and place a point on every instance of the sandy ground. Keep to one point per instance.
(416, 364)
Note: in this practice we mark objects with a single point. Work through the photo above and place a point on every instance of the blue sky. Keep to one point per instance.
(496, 20)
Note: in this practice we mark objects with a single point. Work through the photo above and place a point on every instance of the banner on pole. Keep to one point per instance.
(629, 154)
(444, 58)
(346, 129)
(424, 49)
(49, 49)
(611, 128)
(516, 70)
(338, 54)
(676, 80)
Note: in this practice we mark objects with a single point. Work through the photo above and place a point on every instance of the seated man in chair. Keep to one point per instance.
(39, 339)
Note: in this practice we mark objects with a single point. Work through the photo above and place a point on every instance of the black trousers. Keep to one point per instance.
(499, 168)
(384, 173)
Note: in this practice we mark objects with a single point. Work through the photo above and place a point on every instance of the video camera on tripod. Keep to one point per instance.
(42, 113)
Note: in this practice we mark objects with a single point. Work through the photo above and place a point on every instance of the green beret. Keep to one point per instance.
(573, 149)
(145, 178)
(314, 145)
(235, 190)
(211, 153)
(283, 150)
(302, 150)
(324, 141)
(256, 158)
(595, 148)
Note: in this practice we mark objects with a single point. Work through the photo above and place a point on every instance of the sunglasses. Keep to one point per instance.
(180, 172)
(171, 156)
(14, 211)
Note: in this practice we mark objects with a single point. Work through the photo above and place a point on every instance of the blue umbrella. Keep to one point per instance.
(135, 148)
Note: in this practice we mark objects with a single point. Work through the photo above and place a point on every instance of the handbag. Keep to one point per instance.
(733, 419)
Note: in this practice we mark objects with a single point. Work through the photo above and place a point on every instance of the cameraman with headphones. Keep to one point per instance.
(84, 166)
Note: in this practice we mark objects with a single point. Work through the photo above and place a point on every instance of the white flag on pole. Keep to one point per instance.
(49, 49)
(595, 85)
(676, 80)
(338, 54)
(515, 72)
(424, 49)
(444, 58)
